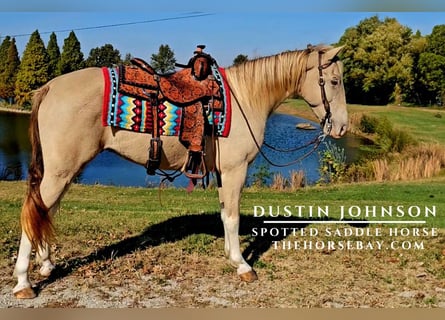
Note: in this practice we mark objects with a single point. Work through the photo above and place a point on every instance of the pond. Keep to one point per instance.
(110, 169)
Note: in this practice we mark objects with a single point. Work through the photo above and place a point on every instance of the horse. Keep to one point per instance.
(73, 101)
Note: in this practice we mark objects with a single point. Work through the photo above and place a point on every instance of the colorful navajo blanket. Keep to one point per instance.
(134, 114)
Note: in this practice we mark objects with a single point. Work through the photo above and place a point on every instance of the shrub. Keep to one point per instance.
(332, 163)
(388, 138)
(368, 124)
(262, 176)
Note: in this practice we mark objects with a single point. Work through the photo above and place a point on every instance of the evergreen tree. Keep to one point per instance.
(241, 58)
(127, 59)
(164, 61)
(53, 55)
(105, 56)
(71, 58)
(4, 47)
(9, 74)
(33, 71)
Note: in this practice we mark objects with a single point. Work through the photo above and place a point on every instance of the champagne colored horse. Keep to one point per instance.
(66, 133)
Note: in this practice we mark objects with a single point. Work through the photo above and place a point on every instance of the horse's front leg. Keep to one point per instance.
(230, 196)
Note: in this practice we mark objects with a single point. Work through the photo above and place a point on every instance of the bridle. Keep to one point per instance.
(327, 107)
(325, 121)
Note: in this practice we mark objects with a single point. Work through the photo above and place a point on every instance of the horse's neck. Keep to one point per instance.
(264, 84)
(259, 97)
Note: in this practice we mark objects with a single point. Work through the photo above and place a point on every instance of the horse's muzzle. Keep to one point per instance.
(338, 132)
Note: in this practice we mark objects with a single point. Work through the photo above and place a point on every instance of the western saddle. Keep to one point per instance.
(193, 88)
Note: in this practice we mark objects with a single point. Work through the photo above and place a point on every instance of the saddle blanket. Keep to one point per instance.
(134, 114)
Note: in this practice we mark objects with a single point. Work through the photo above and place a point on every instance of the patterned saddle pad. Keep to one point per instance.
(133, 113)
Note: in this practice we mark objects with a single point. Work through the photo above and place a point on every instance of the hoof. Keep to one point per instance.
(26, 293)
(249, 276)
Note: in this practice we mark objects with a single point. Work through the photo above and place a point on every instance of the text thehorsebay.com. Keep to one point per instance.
(364, 227)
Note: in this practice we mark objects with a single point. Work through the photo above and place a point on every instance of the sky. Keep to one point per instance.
(255, 30)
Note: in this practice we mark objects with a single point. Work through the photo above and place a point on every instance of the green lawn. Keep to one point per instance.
(425, 124)
(120, 211)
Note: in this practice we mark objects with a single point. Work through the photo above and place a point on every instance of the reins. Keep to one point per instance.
(315, 142)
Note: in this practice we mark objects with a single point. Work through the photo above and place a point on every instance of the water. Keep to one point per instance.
(110, 169)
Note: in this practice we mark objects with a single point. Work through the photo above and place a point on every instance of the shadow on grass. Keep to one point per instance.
(178, 228)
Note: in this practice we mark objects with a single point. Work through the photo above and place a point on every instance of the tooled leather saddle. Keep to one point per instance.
(193, 88)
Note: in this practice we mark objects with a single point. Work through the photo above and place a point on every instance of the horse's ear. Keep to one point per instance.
(328, 55)
(333, 53)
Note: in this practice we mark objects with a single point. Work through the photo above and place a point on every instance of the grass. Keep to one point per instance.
(110, 239)
(103, 214)
(426, 124)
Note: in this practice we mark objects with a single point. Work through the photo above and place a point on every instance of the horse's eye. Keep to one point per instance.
(335, 82)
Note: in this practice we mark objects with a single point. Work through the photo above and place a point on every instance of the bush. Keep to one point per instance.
(262, 176)
(368, 124)
(388, 138)
(332, 164)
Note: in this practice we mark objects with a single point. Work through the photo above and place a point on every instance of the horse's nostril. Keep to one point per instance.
(343, 130)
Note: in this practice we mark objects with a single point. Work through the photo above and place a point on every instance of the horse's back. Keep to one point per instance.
(69, 115)
(74, 97)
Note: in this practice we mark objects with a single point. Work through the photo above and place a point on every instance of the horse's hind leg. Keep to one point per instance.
(52, 189)
(59, 172)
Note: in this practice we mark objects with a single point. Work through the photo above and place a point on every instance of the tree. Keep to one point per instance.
(164, 61)
(431, 68)
(417, 47)
(71, 58)
(355, 74)
(436, 40)
(105, 56)
(432, 77)
(127, 59)
(378, 61)
(241, 58)
(53, 56)
(33, 71)
(4, 47)
(9, 75)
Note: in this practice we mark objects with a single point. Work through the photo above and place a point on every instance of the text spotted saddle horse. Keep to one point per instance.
(193, 88)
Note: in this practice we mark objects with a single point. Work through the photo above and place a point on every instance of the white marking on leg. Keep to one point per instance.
(226, 236)
(43, 257)
(22, 264)
(235, 256)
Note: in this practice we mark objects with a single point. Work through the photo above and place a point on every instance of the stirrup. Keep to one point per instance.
(154, 156)
(195, 166)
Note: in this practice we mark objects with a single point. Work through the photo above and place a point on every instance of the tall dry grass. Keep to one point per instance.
(380, 169)
(279, 182)
(297, 180)
(423, 161)
(355, 123)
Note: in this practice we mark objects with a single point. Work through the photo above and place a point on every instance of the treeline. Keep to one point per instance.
(385, 62)
(40, 63)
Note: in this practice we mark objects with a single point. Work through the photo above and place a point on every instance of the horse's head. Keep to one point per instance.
(323, 90)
